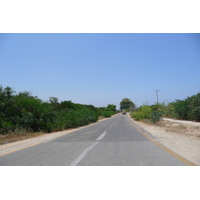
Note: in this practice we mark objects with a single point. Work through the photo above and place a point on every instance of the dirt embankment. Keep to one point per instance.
(180, 137)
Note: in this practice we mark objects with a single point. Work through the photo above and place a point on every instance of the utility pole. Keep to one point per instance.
(157, 94)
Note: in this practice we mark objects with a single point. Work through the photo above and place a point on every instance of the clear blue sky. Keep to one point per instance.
(102, 69)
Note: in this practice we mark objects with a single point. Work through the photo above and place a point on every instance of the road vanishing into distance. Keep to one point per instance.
(112, 142)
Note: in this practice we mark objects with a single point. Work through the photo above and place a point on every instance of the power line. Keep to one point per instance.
(192, 69)
(184, 77)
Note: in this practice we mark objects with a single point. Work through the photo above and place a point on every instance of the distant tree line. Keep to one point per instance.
(27, 113)
(187, 109)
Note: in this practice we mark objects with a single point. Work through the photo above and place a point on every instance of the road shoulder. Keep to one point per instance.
(183, 144)
(17, 145)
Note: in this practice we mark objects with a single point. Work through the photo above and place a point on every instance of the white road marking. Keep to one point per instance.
(84, 153)
(101, 136)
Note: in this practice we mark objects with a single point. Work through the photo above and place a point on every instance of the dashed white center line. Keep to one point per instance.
(84, 153)
(101, 136)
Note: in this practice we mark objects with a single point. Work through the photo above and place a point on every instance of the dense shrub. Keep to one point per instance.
(107, 113)
(169, 110)
(188, 109)
(143, 112)
(109, 110)
(24, 112)
(155, 116)
(153, 113)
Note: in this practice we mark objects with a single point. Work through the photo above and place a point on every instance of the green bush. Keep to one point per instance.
(169, 111)
(143, 112)
(137, 115)
(188, 109)
(153, 113)
(23, 111)
(155, 116)
(6, 127)
(109, 110)
(107, 113)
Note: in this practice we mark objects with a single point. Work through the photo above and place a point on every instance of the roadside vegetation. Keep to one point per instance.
(109, 111)
(22, 113)
(187, 109)
(152, 113)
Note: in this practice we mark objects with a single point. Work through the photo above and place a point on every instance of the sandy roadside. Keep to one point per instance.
(183, 139)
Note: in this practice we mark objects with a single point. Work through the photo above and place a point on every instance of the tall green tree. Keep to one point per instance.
(127, 104)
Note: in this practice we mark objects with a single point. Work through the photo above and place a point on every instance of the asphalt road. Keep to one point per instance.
(112, 142)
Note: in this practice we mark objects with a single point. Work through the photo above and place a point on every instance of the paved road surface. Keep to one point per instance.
(112, 142)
